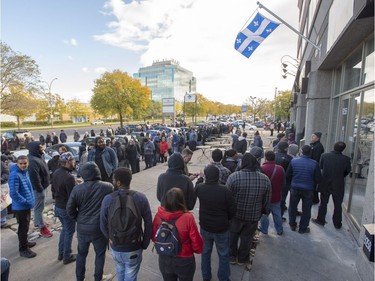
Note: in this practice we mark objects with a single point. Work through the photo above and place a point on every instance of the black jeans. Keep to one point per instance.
(337, 211)
(243, 230)
(23, 220)
(174, 268)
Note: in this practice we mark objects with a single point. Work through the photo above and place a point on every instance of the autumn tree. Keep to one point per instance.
(76, 108)
(19, 75)
(118, 93)
(282, 105)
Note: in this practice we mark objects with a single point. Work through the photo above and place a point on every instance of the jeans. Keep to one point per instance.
(175, 268)
(39, 207)
(66, 234)
(127, 264)
(276, 215)
(5, 267)
(100, 246)
(243, 231)
(148, 160)
(4, 216)
(295, 196)
(337, 211)
(23, 220)
(222, 246)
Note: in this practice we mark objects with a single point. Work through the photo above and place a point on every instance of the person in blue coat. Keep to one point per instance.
(23, 200)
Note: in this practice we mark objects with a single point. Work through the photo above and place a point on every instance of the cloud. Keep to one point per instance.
(200, 35)
(70, 58)
(100, 70)
(71, 42)
(85, 69)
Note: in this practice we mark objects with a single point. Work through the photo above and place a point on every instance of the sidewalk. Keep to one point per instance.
(324, 254)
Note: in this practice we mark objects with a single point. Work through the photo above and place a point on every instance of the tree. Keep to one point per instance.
(77, 109)
(282, 105)
(18, 73)
(20, 104)
(118, 93)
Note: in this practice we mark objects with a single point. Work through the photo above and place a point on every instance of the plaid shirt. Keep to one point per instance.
(224, 172)
(252, 193)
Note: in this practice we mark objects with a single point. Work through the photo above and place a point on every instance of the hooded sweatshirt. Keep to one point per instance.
(38, 169)
(175, 177)
(191, 240)
(216, 203)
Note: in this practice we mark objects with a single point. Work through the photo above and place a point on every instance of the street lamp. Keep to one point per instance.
(252, 100)
(50, 100)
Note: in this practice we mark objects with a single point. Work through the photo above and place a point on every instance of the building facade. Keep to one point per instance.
(167, 79)
(334, 93)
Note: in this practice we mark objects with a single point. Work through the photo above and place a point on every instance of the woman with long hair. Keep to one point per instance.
(182, 266)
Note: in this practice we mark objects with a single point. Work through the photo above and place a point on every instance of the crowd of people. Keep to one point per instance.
(237, 192)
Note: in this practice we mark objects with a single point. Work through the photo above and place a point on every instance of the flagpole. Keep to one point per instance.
(291, 27)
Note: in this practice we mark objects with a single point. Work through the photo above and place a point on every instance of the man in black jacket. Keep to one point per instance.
(175, 177)
(84, 206)
(217, 207)
(40, 180)
(335, 167)
(62, 185)
(317, 150)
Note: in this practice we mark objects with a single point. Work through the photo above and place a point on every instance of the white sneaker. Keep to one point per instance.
(107, 277)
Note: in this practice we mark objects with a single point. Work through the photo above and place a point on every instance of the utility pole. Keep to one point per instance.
(274, 115)
(252, 100)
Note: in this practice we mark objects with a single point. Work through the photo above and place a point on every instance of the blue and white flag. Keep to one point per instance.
(254, 34)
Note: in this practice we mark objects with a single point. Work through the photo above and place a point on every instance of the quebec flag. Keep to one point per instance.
(254, 34)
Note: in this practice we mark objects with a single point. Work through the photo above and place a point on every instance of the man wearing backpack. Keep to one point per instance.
(123, 226)
(84, 207)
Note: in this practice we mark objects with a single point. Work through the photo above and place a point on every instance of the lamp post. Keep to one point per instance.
(50, 100)
(251, 98)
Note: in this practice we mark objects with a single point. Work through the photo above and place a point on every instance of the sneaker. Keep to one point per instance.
(72, 258)
(44, 232)
(338, 226)
(264, 232)
(306, 230)
(107, 277)
(316, 221)
(45, 224)
(31, 244)
(27, 254)
(232, 260)
(293, 227)
(280, 233)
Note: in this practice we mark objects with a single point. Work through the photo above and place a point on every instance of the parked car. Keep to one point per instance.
(12, 136)
(97, 122)
(250, 127)
(121, 138)
(89, 140)
(25, 152)
(259, 124)
(72, 147)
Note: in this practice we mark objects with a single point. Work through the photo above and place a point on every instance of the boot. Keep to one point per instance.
(27, 254)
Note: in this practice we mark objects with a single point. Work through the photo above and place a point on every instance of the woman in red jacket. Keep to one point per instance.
(182, 266)
(163, 150)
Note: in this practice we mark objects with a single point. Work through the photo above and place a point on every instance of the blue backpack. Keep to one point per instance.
(167, 241)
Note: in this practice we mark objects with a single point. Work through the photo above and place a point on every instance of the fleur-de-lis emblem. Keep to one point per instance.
(238, 41)
(256, 23)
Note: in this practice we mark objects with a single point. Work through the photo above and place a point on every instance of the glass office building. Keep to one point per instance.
(167, 79)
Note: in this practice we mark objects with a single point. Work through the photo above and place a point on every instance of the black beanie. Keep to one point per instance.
(318, 134)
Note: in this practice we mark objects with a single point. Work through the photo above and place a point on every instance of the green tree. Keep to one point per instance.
(75, 108)
(282, 105)
(18, 73)
(20, 104)
(118, 93)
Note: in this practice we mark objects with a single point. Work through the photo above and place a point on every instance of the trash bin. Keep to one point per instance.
(368, 243)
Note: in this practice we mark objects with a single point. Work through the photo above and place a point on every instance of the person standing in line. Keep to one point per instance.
(148, 148)
(76, 136)
(182, 266)
(127, 258)
(252, 193)
(276, 175)
(224, 172)
(187, 154)
(272, 128)
(4, 190)
(40, 180)
(105, 158)
(217, 208)
(48, 139)
(304, 174)
(63, 136)
(175, 177)
(23, 200)
(55, 139)
(84, 207)
(62, 185)
(335, 167)
(241, 144)
(317, 150)
(163, 150)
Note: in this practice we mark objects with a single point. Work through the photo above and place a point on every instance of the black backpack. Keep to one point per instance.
(124, 220)
(167, 241)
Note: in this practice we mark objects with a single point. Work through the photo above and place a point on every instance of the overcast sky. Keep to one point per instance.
(76, 41)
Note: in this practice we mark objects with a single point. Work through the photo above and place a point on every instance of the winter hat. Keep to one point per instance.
(318, 134)
(55, 153)
(212, 174)
(257, 152)
(90, 171)
(282, 145)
